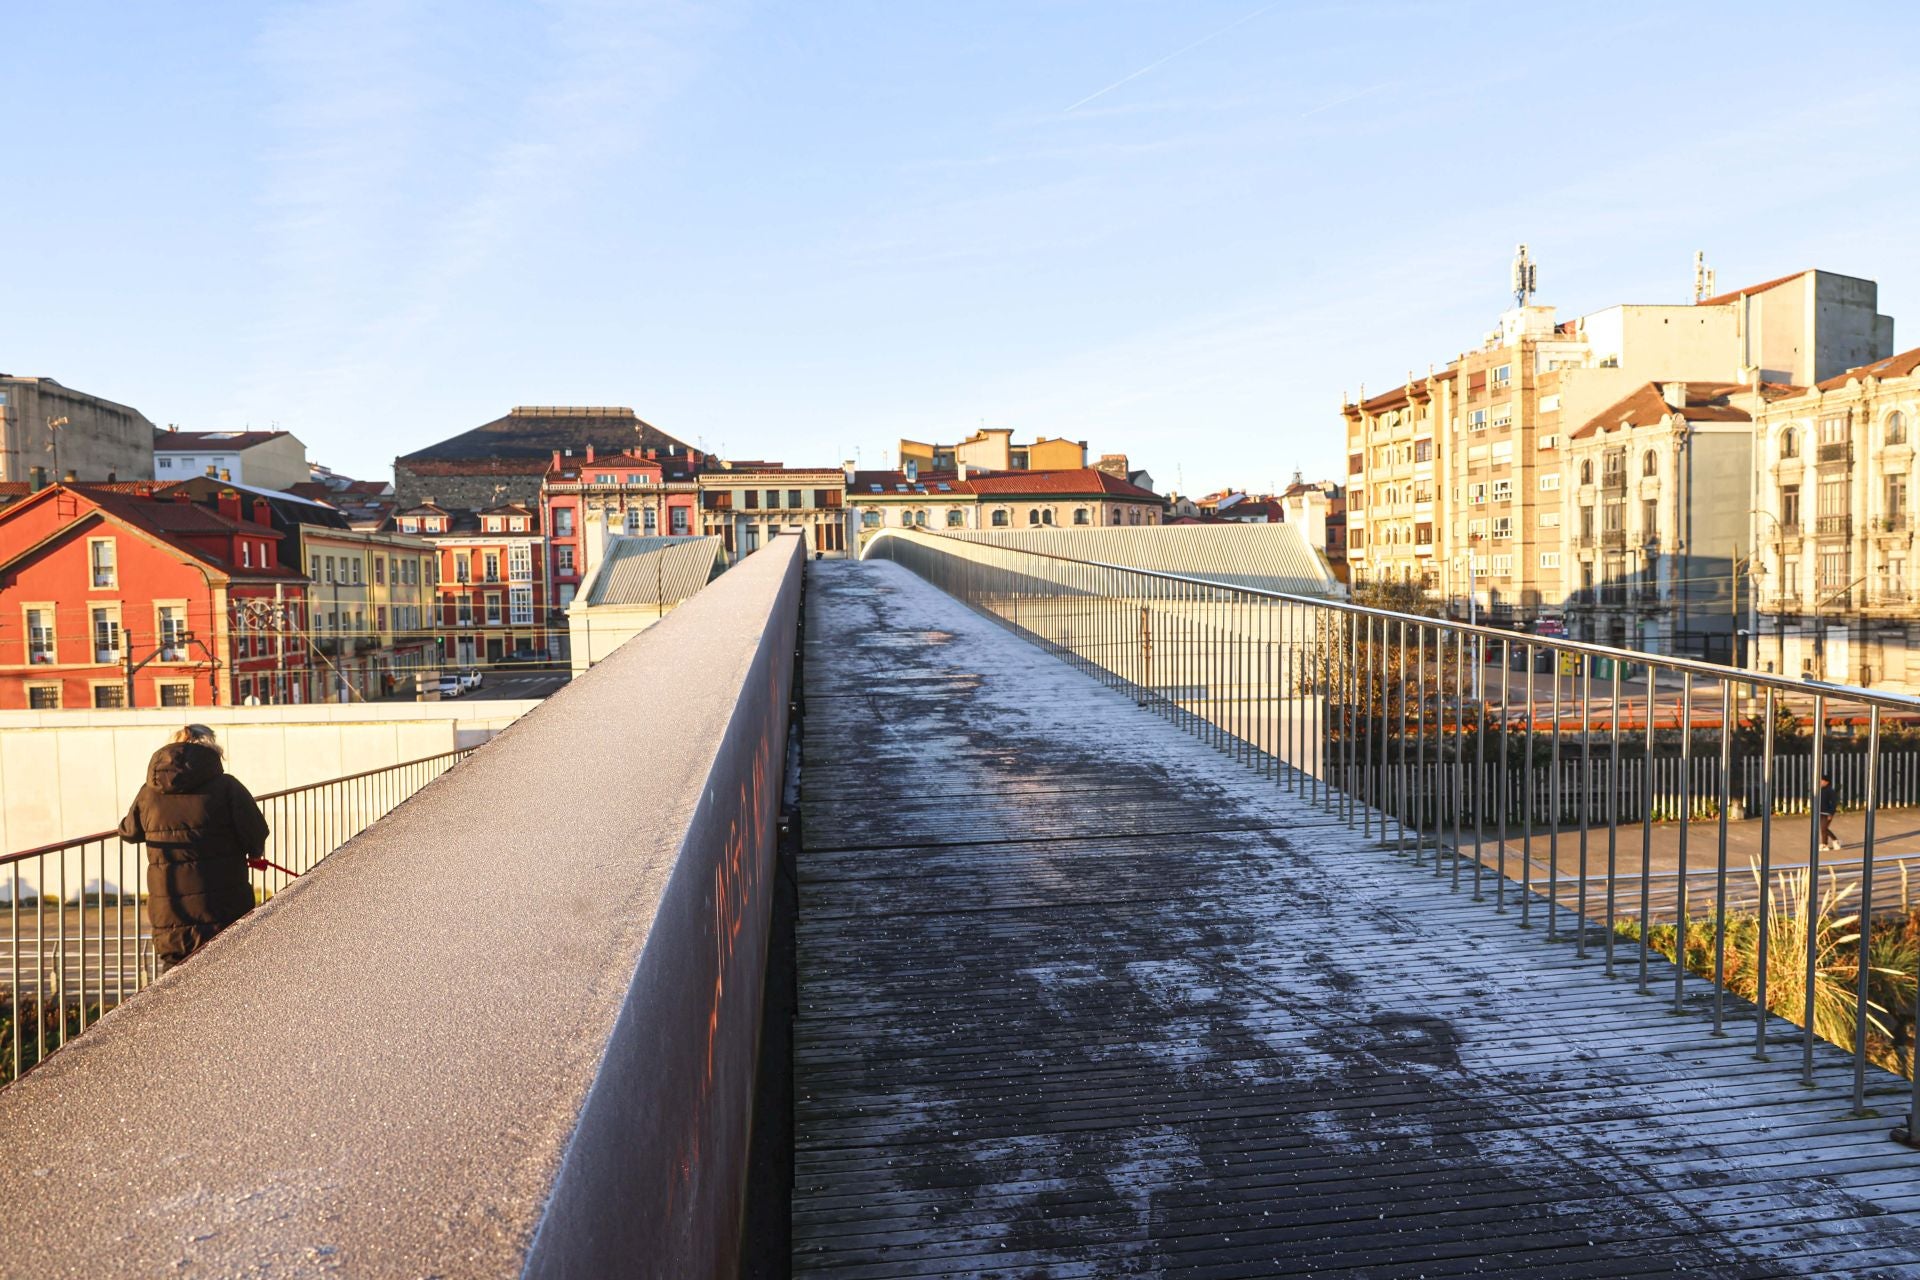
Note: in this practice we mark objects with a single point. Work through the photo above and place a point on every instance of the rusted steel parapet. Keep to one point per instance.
(508, 1030)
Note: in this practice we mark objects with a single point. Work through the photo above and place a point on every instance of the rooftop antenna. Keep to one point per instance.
(1702, 277)
(1526, 277)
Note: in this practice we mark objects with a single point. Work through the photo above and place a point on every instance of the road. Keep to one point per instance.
(505, 684)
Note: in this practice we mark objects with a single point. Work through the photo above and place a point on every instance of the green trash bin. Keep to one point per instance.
(1602, 668)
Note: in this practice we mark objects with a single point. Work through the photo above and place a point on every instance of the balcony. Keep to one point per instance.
(1833, 526)
(1839, 451)
(1899, 522)
(365, 644)
(1613, 539)
(1614, 482)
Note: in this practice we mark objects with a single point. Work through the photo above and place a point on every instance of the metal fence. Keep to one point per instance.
(1404, 725)
(77, 941)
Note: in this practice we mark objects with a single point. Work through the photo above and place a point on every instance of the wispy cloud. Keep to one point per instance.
(1344, 99)
(1157, 63)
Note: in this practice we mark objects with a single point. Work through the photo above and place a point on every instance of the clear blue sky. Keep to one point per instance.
(797, 229)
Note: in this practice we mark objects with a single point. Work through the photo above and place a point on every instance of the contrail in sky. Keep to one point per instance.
(1169, 58)
(1339, 102)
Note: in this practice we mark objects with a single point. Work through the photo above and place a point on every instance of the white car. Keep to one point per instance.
(450, 686)
(470, 678)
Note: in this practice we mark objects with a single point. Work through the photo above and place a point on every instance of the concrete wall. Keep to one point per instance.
(387, 1072)
(65, 774)
(100, 436)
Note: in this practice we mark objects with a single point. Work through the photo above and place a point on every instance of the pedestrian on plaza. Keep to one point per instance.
(1829, 805)
(201, 827)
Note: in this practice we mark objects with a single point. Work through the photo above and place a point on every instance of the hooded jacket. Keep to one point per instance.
(200, 826)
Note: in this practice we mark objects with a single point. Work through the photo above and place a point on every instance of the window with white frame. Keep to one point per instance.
(1476, 420)
(1549, 519)
(40, 646)
(106, 635)
(521, 603)
(101, 560)
(170, 621)
(1549, 559)
(520, 562)
(1501, 566)
(1503, 490)
(1503, 528)
(1549, 482)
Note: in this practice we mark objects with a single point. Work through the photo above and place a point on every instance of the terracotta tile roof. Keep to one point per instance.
(1080, 480)
(174, 523)
(1900, 365)
(1721, 298)
(200, 441)
(1645, 405)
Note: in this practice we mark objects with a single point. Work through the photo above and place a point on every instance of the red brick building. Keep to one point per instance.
(111, 596)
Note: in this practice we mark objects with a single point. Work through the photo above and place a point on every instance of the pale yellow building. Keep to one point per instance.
(370, 609)
(993, 449)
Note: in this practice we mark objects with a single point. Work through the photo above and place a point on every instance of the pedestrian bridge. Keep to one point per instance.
(1097, 969)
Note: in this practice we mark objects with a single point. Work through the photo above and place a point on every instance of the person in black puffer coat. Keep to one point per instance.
(200, 826)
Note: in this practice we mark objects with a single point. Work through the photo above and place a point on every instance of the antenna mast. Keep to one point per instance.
(1526, 277)
(1702, 277)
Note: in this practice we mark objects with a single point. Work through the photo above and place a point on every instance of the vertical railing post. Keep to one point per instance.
(1863, 993)
(1810, 900)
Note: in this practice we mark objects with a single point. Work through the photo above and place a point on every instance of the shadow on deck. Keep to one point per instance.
(1079, 995)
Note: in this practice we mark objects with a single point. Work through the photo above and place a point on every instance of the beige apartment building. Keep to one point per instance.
(370, 598)
(993, 449)
(1461, 480)
(747, 505)
(1833, 479)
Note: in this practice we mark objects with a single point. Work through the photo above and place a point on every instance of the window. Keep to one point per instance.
(1080, 515)
(356, 570)
(1423, 451)
(603, 477)
(563, 522)
(1502, 451)
(563, 559)
(869, 519)
(752, 497)
(380, 617)
(106, 635)
(1896, 498)
(101, 558)
(649, 523)
(1790, 505)
(1476, 494)
(493, 608)
(1649, 518)
(517, 525)
(462, 567)
(1000, 519)
(632, 522)
(109, 695)
(1790, 577)
(176, 693)
(793, 498)
(43, 697)
(1549, 559)
(246, 554)
(520, 599)
(1503, 566)
(1503, 527)
(409, 525)
(1033, 517)
(920, 518)
(40, 647)
(1549, 519)
(329, 568)
(678, 522)
(1549, 482)
(379, 570)
(773, 499)
(1833, 430)
(171, 620)
(313, 570)
(1586, 471)
(1502, 416)
(1477, 420)
(1650, 463)
(1503, 490)
(492, 562)
(955, 519)
(464, 611)
(1502, 375)
(1896, 430)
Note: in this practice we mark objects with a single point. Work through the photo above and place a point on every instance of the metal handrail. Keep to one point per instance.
(1632, 657)
(1344, 705)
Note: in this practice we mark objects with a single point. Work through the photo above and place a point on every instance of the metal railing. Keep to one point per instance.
(76, 941)
(1505, 761)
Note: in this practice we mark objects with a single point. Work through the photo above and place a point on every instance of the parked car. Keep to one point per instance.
(450, 685)
(528, 654)
(470, 678)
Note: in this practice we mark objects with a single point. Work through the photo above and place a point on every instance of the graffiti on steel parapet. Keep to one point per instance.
(736, 888)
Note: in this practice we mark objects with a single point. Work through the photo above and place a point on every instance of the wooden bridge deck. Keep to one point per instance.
(1081, 996)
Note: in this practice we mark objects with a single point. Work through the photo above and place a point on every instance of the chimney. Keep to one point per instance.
(37, 479)
(213, 472)
(229, 502)
(1675, 394)
(960, 471)
(589, 451)
(113, 477)
(262, 513)
(70, 478)
(556, 459)
(226, 476)
(849, 467)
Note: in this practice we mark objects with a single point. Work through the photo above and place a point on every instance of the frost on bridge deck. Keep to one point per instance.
(1081, 996)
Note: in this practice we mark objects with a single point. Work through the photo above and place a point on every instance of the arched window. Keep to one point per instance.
(1046, 517)
(1033, 517)
(869, 519)
(1586, 471)
(1000, 519)
(1789, 443)
(1650, 464)
(1116, 515)
(954, 518)
(920, 518)
(1896, 427)
(1080, 515)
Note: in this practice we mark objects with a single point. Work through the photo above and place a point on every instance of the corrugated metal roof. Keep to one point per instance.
(650, 570)
(1269, 557)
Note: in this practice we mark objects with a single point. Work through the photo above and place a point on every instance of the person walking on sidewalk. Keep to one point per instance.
(200, 826)
(1829, 805)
